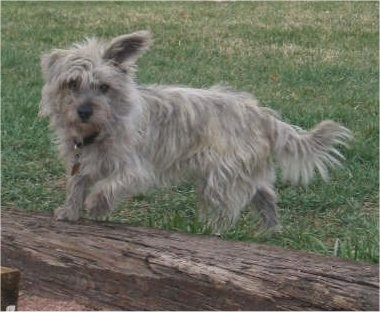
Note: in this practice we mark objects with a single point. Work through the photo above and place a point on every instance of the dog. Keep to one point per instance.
(117, 137)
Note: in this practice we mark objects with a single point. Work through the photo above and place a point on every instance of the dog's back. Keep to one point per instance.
(205, 125)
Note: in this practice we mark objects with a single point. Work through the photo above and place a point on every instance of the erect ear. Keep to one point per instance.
(49, 60)
(127, 48)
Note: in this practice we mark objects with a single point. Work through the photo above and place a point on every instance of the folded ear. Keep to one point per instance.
(127, 48)
(49, 60)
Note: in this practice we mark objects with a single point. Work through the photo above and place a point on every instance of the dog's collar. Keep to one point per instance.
(86, 141)
(77, 145)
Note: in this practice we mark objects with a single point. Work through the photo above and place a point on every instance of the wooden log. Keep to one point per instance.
(10, 279)
(119, 267)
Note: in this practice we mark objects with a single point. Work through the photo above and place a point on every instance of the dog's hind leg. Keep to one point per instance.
(264, 201)
(222, 199)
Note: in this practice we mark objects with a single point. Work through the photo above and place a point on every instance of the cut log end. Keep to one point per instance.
(10, 279)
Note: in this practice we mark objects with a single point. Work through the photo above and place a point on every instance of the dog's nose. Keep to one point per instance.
(85, 111)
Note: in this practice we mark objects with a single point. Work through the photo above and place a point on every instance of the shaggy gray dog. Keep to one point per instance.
(117, 137)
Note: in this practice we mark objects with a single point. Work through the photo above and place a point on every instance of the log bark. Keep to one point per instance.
(118, 267)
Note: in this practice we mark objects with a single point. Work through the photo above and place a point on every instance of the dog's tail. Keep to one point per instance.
(301, 154)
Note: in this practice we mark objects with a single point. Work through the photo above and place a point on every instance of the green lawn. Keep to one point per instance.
(308, 60)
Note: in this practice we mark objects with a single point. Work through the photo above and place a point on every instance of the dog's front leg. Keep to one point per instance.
(130, 179)
(100, 200)
(76, 189)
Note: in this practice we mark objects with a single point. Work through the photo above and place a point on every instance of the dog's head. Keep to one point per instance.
(90, 86)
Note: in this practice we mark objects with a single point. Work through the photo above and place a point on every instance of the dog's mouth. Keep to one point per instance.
(85, 133)
(87, 140)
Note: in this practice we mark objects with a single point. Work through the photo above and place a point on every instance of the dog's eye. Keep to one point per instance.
(104, 87)
(73, 85)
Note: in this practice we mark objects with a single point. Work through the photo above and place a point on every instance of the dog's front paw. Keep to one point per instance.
(64, 213)
(97, 206)
(270, 231)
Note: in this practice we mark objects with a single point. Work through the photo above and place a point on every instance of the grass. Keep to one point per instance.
(309, 61)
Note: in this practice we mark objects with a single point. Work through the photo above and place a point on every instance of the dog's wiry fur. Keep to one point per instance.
(132, 139)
